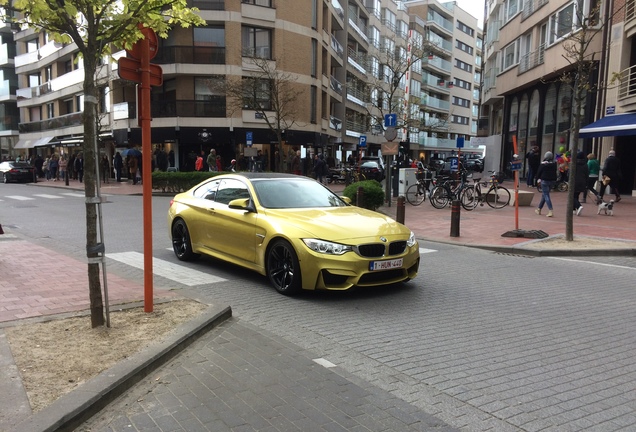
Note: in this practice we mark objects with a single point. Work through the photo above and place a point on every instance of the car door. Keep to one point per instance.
(233, 232)
(201, 212)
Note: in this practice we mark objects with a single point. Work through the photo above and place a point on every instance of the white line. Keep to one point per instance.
(326, 363)
(597, 263)
(47, 196)
(19, 197)
(71, 194)
(166, 269)
(423, 250)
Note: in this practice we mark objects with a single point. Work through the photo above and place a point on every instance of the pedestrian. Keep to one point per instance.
(534, 159)
(547, 176)
(295, 164)
(132, 168)
(219, 163)
(63, 166)
(119, 165)
(580, 181)
(232, 167)
(104, 166)
(79, 167)
(53, 166)
(212, 160)
(45, 169)
(198, 165)
(593, 167)
(320, 168)
(70, 167)
(612, 169)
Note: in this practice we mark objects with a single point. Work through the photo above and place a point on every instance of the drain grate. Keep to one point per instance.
(534, 234)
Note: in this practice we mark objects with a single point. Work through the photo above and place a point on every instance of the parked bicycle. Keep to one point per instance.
(447, 190)
(561, 185)
(496, 196)
(354, 175)
(416, 194)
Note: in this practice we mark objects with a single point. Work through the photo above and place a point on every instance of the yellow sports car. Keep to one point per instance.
(293, 230)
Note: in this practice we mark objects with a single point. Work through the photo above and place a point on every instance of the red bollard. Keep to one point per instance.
(455, 213)
(399, 211)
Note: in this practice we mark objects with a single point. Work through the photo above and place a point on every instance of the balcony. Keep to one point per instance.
(627, 87)
(355, 129)
(338, 8)
(335, 123)
(443, 23)
(529, 7)
(532, 59)
(35, 56)
(358, 61)
(75, 77)
(358, 26)
(435, 103)
(335, 85)
(214, 107)
(190, 54)
(438, 63)
(8, 88)
(337, 47)
(9, 123)
(207, 4)
(357, 96)
(68, 120)
(7, 52)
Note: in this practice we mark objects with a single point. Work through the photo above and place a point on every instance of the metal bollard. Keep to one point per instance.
(455, 213)
(360, 196)
(399, 211)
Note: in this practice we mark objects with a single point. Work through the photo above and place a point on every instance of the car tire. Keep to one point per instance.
(283, 267)
(181, 242)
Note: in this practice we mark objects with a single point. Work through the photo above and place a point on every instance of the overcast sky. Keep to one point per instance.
(473, 7)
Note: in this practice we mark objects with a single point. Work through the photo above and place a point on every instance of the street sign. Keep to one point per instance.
(515, 166)
(153, 44)
(460, 142)
(454, 164)
(129, 69)
(363, 140)
(390, 133)
(390, 120)
(248, 139)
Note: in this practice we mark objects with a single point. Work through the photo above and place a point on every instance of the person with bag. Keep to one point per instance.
(593, 167)
(534, 159)
(612, 170)
(546, 176)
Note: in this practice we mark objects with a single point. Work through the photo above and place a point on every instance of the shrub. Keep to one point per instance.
(373, 194)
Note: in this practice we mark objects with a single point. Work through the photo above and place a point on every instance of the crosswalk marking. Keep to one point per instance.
(423, 250)
(166, 269)
(72, 194)
(19, 197)
(48, 196)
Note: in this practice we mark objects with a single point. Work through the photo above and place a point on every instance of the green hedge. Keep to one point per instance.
(176, 182)
(373, 194)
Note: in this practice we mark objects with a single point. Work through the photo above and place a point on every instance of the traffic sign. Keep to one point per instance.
(515, 166)
(363, 140)
(390, 133)
(454, 165)
(390, 120)
(248, 139)
(129, 69)
(153, 44)
(460, 142)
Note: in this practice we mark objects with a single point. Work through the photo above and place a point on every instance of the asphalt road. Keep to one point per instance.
(482, 341)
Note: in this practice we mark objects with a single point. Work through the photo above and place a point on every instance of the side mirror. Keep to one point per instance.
(346, 199)
(242, 204)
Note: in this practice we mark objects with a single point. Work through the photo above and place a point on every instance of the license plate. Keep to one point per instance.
(24, 170)
(385, 265)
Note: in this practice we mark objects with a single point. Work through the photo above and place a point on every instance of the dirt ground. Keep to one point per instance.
(57, 356)
(579, 243)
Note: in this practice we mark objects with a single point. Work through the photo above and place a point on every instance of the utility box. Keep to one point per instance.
(406, 178)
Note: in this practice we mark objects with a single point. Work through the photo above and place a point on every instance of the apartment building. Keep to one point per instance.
(9, 116)
(523, 95)
(331, 50)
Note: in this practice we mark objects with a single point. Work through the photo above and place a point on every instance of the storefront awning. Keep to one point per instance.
(43, 141)
(611, 125)
(27, 144)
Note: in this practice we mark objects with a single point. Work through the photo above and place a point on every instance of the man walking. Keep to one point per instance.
(612, 169)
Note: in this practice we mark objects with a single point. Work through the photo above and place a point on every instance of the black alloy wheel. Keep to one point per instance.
(181, 243)
(283, 268)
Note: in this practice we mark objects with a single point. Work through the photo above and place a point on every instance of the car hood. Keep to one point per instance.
(339, 223)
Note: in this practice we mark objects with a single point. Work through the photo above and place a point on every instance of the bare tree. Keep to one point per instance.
(271, 93)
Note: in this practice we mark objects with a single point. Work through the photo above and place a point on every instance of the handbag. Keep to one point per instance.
(597, 186)
(606, 180)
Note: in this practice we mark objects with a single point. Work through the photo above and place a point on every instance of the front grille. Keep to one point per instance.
(397, 247)
(371, 250)
(375, 278)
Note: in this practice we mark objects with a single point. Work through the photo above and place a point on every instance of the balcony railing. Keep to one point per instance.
(8, 88)
(9, 122)
(336, 85)
(214, 107)
(207, 4)
(190, 54)
(59, 83)
(627, 87)
(337, 47)
(335, 123)
(7, 52)
(532, 59)
(338, 8)
(68, 120)
(356, 126)
(358, 96)
(440, 20)
(34, 56)
(529, 7)
(359, 26)
(438, 63)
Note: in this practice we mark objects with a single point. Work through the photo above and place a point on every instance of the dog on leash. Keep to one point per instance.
(606, 207)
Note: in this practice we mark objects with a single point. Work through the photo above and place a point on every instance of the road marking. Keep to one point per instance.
(424, 250)
(326, 363)
(47, 196)
(166, 269)
(19, 197)
(596, 263)
(71, 194)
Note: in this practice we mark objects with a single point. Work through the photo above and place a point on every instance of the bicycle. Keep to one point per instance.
(560, 185)
(353, 176)
(447, 189)
(496, 196)
(416, 194)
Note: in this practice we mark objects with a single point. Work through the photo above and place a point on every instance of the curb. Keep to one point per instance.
(71, 410)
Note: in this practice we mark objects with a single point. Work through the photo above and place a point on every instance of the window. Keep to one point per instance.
(312, 101)
(510, 55)
(34, 80)
(464, 47)
(511, 8)
(266, 3)
(258, 94)
(461, 102)
(562, 23)
(50, 110)
(257, 42)
(462, 84)
(463, 66)
(463, 27)
(211, 36)
(460, 120)
(314, 57)
(231, 189)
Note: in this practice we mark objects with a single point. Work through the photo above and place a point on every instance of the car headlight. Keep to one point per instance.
(411, 241)
(326, 247)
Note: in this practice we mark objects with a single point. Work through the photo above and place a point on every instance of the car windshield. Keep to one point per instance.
(294, 193)
(369, 164)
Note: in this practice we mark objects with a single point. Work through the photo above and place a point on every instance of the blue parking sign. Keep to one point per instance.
(363, 140)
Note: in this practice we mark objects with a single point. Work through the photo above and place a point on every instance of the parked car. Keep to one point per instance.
(11, 171)
(372, 170)
(474, 162)
(293, 230)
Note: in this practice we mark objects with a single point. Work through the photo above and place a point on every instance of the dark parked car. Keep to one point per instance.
(372, 170)
(474, 162)
(17, 171)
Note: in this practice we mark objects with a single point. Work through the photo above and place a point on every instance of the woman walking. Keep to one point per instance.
(546, 175)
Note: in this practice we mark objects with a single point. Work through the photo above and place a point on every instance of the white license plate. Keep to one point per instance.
(385, 265)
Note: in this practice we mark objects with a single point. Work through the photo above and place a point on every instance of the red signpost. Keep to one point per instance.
(139, 69)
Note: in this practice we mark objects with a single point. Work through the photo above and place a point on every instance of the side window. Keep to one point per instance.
(207, 190)
(231, 189)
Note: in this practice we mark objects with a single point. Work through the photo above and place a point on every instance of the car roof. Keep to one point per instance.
(264, 175)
